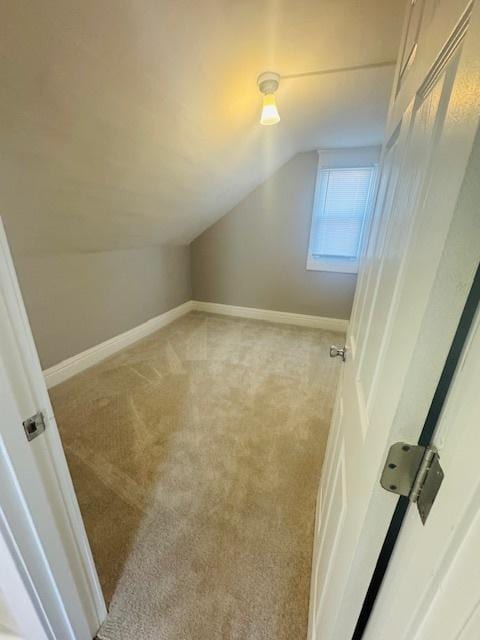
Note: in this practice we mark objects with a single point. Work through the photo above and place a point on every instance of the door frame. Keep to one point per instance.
(43, 575)
(460, 339)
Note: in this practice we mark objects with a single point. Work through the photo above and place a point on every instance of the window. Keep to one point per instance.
(343, 199)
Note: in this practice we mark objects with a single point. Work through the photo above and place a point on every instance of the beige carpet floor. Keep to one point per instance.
(196, 456)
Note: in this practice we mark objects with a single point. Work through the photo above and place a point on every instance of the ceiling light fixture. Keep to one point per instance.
(268, 84)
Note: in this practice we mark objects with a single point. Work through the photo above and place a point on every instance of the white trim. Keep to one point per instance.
(71, 366)
(38, 500)
(282, 317)
(338, 265)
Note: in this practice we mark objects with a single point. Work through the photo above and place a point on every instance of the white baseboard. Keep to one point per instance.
(283, 317)
(71, 366)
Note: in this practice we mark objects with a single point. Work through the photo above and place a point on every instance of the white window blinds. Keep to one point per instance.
(342, 199)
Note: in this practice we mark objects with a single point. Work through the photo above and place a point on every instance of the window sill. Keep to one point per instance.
(331, 264)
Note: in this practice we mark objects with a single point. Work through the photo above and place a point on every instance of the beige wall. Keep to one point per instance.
(255, 255)
(76, 300)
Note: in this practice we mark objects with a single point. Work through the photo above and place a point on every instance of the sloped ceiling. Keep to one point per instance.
(127, 123)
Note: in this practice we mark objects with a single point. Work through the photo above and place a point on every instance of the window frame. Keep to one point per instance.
(332, 263)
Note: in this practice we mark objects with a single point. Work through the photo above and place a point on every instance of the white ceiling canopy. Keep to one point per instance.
(127, 123)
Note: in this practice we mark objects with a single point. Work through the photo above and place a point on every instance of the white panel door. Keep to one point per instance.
(410, 294)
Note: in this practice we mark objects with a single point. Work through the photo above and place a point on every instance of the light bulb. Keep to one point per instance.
(269, 111)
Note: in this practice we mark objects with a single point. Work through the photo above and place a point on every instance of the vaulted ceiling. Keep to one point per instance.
(126, 123)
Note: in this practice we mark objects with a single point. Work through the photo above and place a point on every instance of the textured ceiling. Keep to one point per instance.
(133, 123)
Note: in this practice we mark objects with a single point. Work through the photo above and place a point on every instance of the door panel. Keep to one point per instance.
(420, 146)
(409, 237)
(325, 486)
(331, 528)
(370, 265)
(334, 556)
